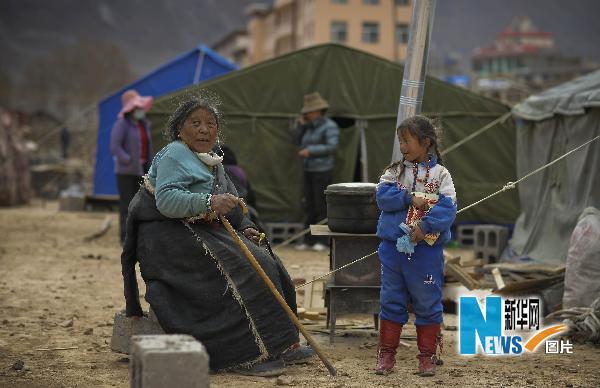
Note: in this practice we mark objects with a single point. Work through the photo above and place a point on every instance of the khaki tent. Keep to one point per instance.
(261, 102)
(549, 125)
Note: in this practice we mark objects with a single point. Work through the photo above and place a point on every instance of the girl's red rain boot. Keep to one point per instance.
(389, 337)
(428, 337)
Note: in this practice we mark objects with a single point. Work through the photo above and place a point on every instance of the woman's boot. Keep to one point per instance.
(428, 337)
(389, 337)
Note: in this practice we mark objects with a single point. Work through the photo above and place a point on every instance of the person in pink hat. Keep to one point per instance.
(131, 147)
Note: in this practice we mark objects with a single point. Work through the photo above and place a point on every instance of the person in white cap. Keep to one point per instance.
(317, 136)
(131, 147)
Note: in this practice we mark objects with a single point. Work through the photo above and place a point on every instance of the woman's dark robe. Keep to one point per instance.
(198, 282)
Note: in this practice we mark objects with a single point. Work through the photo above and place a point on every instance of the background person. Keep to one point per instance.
(131, 147)
(317, 136)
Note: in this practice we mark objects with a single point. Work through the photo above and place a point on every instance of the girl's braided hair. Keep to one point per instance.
(423, 128)
(184, 109)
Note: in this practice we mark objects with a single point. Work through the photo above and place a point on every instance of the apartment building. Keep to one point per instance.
(376, 26)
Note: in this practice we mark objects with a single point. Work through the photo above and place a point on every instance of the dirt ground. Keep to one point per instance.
(57, 291)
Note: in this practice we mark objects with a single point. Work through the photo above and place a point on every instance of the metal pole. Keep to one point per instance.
(415, 64)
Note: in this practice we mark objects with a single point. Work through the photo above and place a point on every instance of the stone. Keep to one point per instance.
(168, 360)
(18, 365)
(88, 331)
(67, 323)
(125, 327)
(285, 380)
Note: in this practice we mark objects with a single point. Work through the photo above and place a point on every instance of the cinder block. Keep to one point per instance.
(490, 241)
(168, 361)
(466, 235)
(71, 203)
(125, 327)
(281, 231)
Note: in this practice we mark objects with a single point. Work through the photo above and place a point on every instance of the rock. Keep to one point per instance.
(569, 385)
(529, 381)
(67, 323)
(285, 380)
(93, 366)
(88, 331)
(18, 365)
(5, 321)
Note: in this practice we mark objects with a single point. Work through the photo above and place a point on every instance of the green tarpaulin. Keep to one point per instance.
(261, 102)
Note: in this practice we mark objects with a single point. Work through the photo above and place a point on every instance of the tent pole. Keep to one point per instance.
(415, 64)
(199, 64)
(364, 161)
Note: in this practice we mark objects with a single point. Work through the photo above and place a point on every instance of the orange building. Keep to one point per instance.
(376, 26)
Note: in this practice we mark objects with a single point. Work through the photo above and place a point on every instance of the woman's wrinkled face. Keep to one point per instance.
(199, 130)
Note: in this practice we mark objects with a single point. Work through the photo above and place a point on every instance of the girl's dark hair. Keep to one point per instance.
(423, 128)
(183, 111)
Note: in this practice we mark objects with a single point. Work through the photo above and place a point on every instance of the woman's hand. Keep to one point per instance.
(304, 153)
(223, 203)
(420, 203)
(416, 235)
(252, 234)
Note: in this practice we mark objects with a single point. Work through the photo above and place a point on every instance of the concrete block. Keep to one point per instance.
(281, 231)
(490, 241)
(168, 361)
(125, 327)
(71, 203)
(466, 235)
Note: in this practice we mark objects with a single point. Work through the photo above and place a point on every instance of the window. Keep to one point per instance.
(401, 33)
(339, 31)
(402, 2)
(371, 2)
(339, 1)
(370, 32)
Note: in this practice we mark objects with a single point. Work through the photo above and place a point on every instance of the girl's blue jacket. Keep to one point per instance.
(394, 199)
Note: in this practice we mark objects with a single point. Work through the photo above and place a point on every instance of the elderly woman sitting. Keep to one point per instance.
(197, 280)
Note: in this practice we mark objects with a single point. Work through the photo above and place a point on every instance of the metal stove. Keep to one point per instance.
(354, 290)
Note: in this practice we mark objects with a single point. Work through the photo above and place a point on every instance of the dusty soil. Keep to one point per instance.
(58, 292)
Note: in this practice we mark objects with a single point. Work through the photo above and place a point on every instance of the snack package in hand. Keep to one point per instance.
(414, 215)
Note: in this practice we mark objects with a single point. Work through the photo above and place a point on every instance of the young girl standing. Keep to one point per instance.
(411, 250)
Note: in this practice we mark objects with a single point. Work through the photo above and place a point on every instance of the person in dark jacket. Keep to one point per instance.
(131, 147)
(317, 136)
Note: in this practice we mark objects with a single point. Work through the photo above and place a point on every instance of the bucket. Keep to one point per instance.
(351, 207)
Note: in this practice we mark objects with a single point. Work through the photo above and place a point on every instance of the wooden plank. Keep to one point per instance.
(456, 271)
(515, 276)
(323, 230)
(527, 268)
(498, 278)
(103, 229)
(531, 285)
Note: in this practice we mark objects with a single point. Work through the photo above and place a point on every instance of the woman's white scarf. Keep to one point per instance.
(209, 158)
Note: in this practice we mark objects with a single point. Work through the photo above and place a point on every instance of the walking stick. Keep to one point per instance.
(275, 292)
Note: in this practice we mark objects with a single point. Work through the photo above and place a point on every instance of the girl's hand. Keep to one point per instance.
(252, 234)
(223, 203)
(420, 203)
(416, 235)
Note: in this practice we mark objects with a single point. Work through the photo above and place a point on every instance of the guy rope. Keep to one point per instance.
(506, 187)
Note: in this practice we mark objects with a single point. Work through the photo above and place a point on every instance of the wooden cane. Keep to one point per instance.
(275, 292)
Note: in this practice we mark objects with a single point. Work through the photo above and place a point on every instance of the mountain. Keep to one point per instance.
(150, 32)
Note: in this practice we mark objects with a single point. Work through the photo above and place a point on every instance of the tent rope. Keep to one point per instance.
(478, 132)
(506, 187)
